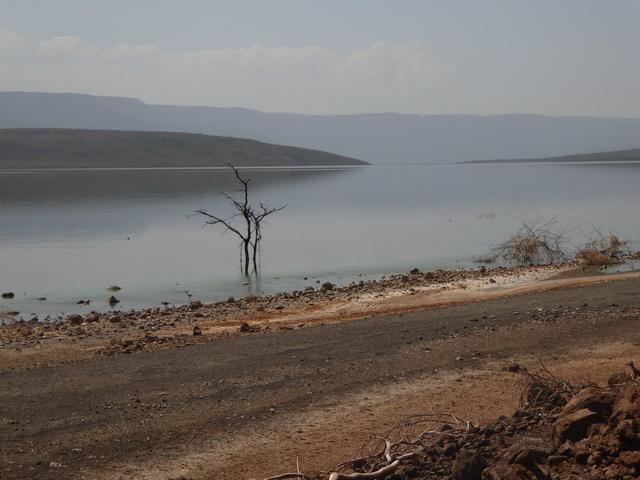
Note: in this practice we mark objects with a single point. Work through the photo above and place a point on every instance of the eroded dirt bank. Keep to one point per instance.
(252, 403)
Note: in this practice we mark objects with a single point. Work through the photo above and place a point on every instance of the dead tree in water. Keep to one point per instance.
(250, 233)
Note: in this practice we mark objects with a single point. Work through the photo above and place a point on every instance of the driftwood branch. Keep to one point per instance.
(383, 472)
(380, 456)
(284, 476)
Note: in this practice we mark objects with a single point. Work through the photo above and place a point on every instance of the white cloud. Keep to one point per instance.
(75, 46)
(124, 50)
(10, 39)
(404, 62)
(380, 63)
(255, 57)
(307, 78)
(68, 44)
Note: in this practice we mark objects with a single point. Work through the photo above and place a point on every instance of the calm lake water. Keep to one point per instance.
(68, 235)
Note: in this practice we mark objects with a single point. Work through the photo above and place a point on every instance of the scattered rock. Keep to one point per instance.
(245, 327)
(574, 426)
(596, 399)
(114, 288)
(197, 330)
(468, 465)
(627, 405)
(113, 300)
(8, 295)
(542, 442)
(75, 319)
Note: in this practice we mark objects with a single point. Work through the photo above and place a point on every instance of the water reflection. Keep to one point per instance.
(68, 235)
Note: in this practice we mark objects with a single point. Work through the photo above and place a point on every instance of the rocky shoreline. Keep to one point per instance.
(124, 332)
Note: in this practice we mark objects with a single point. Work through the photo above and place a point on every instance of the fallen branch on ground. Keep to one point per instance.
(284, 476)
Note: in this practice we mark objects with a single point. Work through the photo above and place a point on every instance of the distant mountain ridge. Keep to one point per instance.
(384, 138)
(29, 148)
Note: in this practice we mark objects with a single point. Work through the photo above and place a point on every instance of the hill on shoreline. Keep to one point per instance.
(632, 155)
(32, 148)
(379, 138)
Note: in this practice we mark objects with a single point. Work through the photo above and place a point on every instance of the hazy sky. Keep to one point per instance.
(553, 57)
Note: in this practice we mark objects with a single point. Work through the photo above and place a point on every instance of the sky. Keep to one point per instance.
(326, 57)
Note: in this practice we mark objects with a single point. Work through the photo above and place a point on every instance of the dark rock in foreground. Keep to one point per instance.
(594, 434)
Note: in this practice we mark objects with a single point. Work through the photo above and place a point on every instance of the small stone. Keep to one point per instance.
(593, 398)
(197, 330)
(526, 457)
(627, 405)
(75, 319)
(630, 459)
(114, 288)
(245, 327)
(574, 426)
(468, 465)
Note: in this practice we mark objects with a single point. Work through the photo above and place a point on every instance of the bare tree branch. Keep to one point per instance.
(250, 234)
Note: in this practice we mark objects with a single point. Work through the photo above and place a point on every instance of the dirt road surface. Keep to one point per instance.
(266, 403)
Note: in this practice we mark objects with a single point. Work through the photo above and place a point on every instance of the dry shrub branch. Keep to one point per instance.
(601, 248)
(545, 241)
(544, 389)
(536, 241)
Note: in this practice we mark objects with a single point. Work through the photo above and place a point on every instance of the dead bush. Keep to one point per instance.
(608, 245)
(594, 257)
(536, 241)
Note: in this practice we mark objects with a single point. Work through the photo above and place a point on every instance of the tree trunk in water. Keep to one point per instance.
(245, 258)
